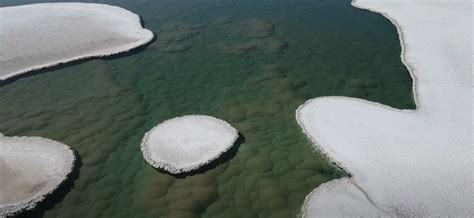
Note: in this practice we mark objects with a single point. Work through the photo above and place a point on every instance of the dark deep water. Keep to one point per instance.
(251, 63)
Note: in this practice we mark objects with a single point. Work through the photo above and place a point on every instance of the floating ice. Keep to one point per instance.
(186, 143)
(404, 163)
(36, 36)
(30, 169)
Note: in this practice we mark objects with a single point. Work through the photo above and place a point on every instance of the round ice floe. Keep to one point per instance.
(186, 143)
(30, 169)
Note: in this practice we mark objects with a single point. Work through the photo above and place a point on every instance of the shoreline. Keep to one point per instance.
(321, 147)
(401, 38)
(409, 68)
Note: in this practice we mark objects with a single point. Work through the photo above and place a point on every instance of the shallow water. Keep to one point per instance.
(251, 63)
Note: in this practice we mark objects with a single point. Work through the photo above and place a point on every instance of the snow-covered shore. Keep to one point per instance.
(30, 169)
(404, 162)
(41, 35)
(183, 144)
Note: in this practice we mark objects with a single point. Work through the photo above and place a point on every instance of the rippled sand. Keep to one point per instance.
(204, 63)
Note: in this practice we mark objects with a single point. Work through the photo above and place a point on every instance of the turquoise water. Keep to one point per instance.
(251, 63)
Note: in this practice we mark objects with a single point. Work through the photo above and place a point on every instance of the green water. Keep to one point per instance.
(251, 63)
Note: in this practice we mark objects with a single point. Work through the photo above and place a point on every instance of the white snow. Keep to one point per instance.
(30, 169)
(183, 144)
(41, 35)
(413, 163)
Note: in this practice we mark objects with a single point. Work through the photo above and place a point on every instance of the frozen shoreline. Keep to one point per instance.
(403, 162)
(86, 30)
(32, 168)
(186, 143)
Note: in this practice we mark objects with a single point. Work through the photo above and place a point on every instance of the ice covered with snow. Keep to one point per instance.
(404, 163)
(183, 144)
(40, 35)
(30, 169)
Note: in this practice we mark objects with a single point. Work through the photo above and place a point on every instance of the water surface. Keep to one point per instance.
(251, 63)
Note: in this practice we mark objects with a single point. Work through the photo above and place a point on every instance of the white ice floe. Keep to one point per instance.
(36, 36)
(408, 163)
(183, 144)
(30, 169)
